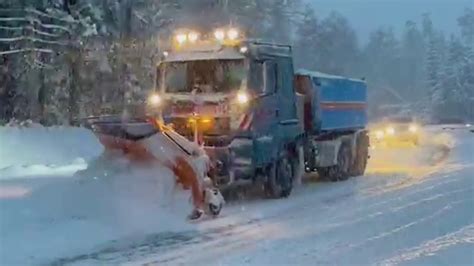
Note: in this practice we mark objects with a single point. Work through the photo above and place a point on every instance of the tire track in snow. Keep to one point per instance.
(392, 211)
(400, 228)
(244, 234)
(465, 235)
(354, 212)
(241, 234)
(225, 245)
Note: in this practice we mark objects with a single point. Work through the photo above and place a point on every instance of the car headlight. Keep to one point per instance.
(233, 34)
(379, 134)
(193, 36)
(219, 34)
(413, 128)
(390, 130)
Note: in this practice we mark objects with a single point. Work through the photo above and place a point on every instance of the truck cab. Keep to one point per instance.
(236, 98)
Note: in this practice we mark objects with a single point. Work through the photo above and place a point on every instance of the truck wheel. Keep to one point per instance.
(280, 178)
(362, 155)
(340, 171)
(344, 159)
(298, 165)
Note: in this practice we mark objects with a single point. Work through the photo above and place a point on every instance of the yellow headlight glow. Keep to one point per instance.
(233, 34)
(219, 34)
(242, 97)
(154, 100)
(390, 130)
(379, 134)
(413, 128)
(193, 36)
(181, 38)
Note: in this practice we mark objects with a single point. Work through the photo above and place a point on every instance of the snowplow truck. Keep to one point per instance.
(258, 119)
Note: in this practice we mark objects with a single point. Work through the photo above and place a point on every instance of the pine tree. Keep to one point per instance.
(434, 80)
(466, 22)
(382, 58)
(413, 50)
(467, 83)
(448, 95)
(307, 40)
(466, 73)
(336, 48)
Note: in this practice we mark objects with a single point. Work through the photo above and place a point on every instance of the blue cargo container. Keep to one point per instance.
(337, 103)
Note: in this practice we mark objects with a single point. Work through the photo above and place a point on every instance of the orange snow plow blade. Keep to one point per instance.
(147, 140)
(116, 134)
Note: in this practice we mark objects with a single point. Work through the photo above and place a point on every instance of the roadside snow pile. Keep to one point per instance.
(63, 214)
(70, 216)
(37, 150)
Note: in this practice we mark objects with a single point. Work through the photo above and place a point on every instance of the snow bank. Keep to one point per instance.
(53, 147)
(64, 213)
(42, 223)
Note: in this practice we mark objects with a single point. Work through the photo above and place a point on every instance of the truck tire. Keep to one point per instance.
(279, 183)
(298, 165)
(340, 171)
(361, 156)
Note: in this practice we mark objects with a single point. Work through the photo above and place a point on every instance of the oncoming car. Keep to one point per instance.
(394, 130)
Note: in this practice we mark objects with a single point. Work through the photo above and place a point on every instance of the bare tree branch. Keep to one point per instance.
(48, 51)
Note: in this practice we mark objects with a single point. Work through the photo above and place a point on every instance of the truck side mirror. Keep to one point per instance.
(269, 77)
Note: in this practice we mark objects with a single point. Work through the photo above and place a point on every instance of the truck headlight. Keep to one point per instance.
(154, 100)
(242, 97)
(413, 128)
(390, 130)
(181, 38)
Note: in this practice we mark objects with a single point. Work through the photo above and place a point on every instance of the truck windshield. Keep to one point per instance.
(205, 76)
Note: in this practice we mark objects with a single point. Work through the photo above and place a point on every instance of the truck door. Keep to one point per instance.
(288, 125)
(266, 113)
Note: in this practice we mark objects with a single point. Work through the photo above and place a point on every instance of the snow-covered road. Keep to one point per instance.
(414, 206)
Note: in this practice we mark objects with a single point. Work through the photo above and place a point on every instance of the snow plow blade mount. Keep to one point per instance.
(128, 129)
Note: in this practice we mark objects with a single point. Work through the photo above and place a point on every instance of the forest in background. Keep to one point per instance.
(62, 60)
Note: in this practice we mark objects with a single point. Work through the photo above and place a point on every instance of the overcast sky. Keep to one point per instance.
(367, 15)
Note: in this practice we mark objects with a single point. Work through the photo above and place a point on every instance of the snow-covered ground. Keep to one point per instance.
(413, 207)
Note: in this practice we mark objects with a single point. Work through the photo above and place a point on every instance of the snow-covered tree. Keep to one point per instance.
(307, 39)
(328, 45)
(435, 75)
(412, 56)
